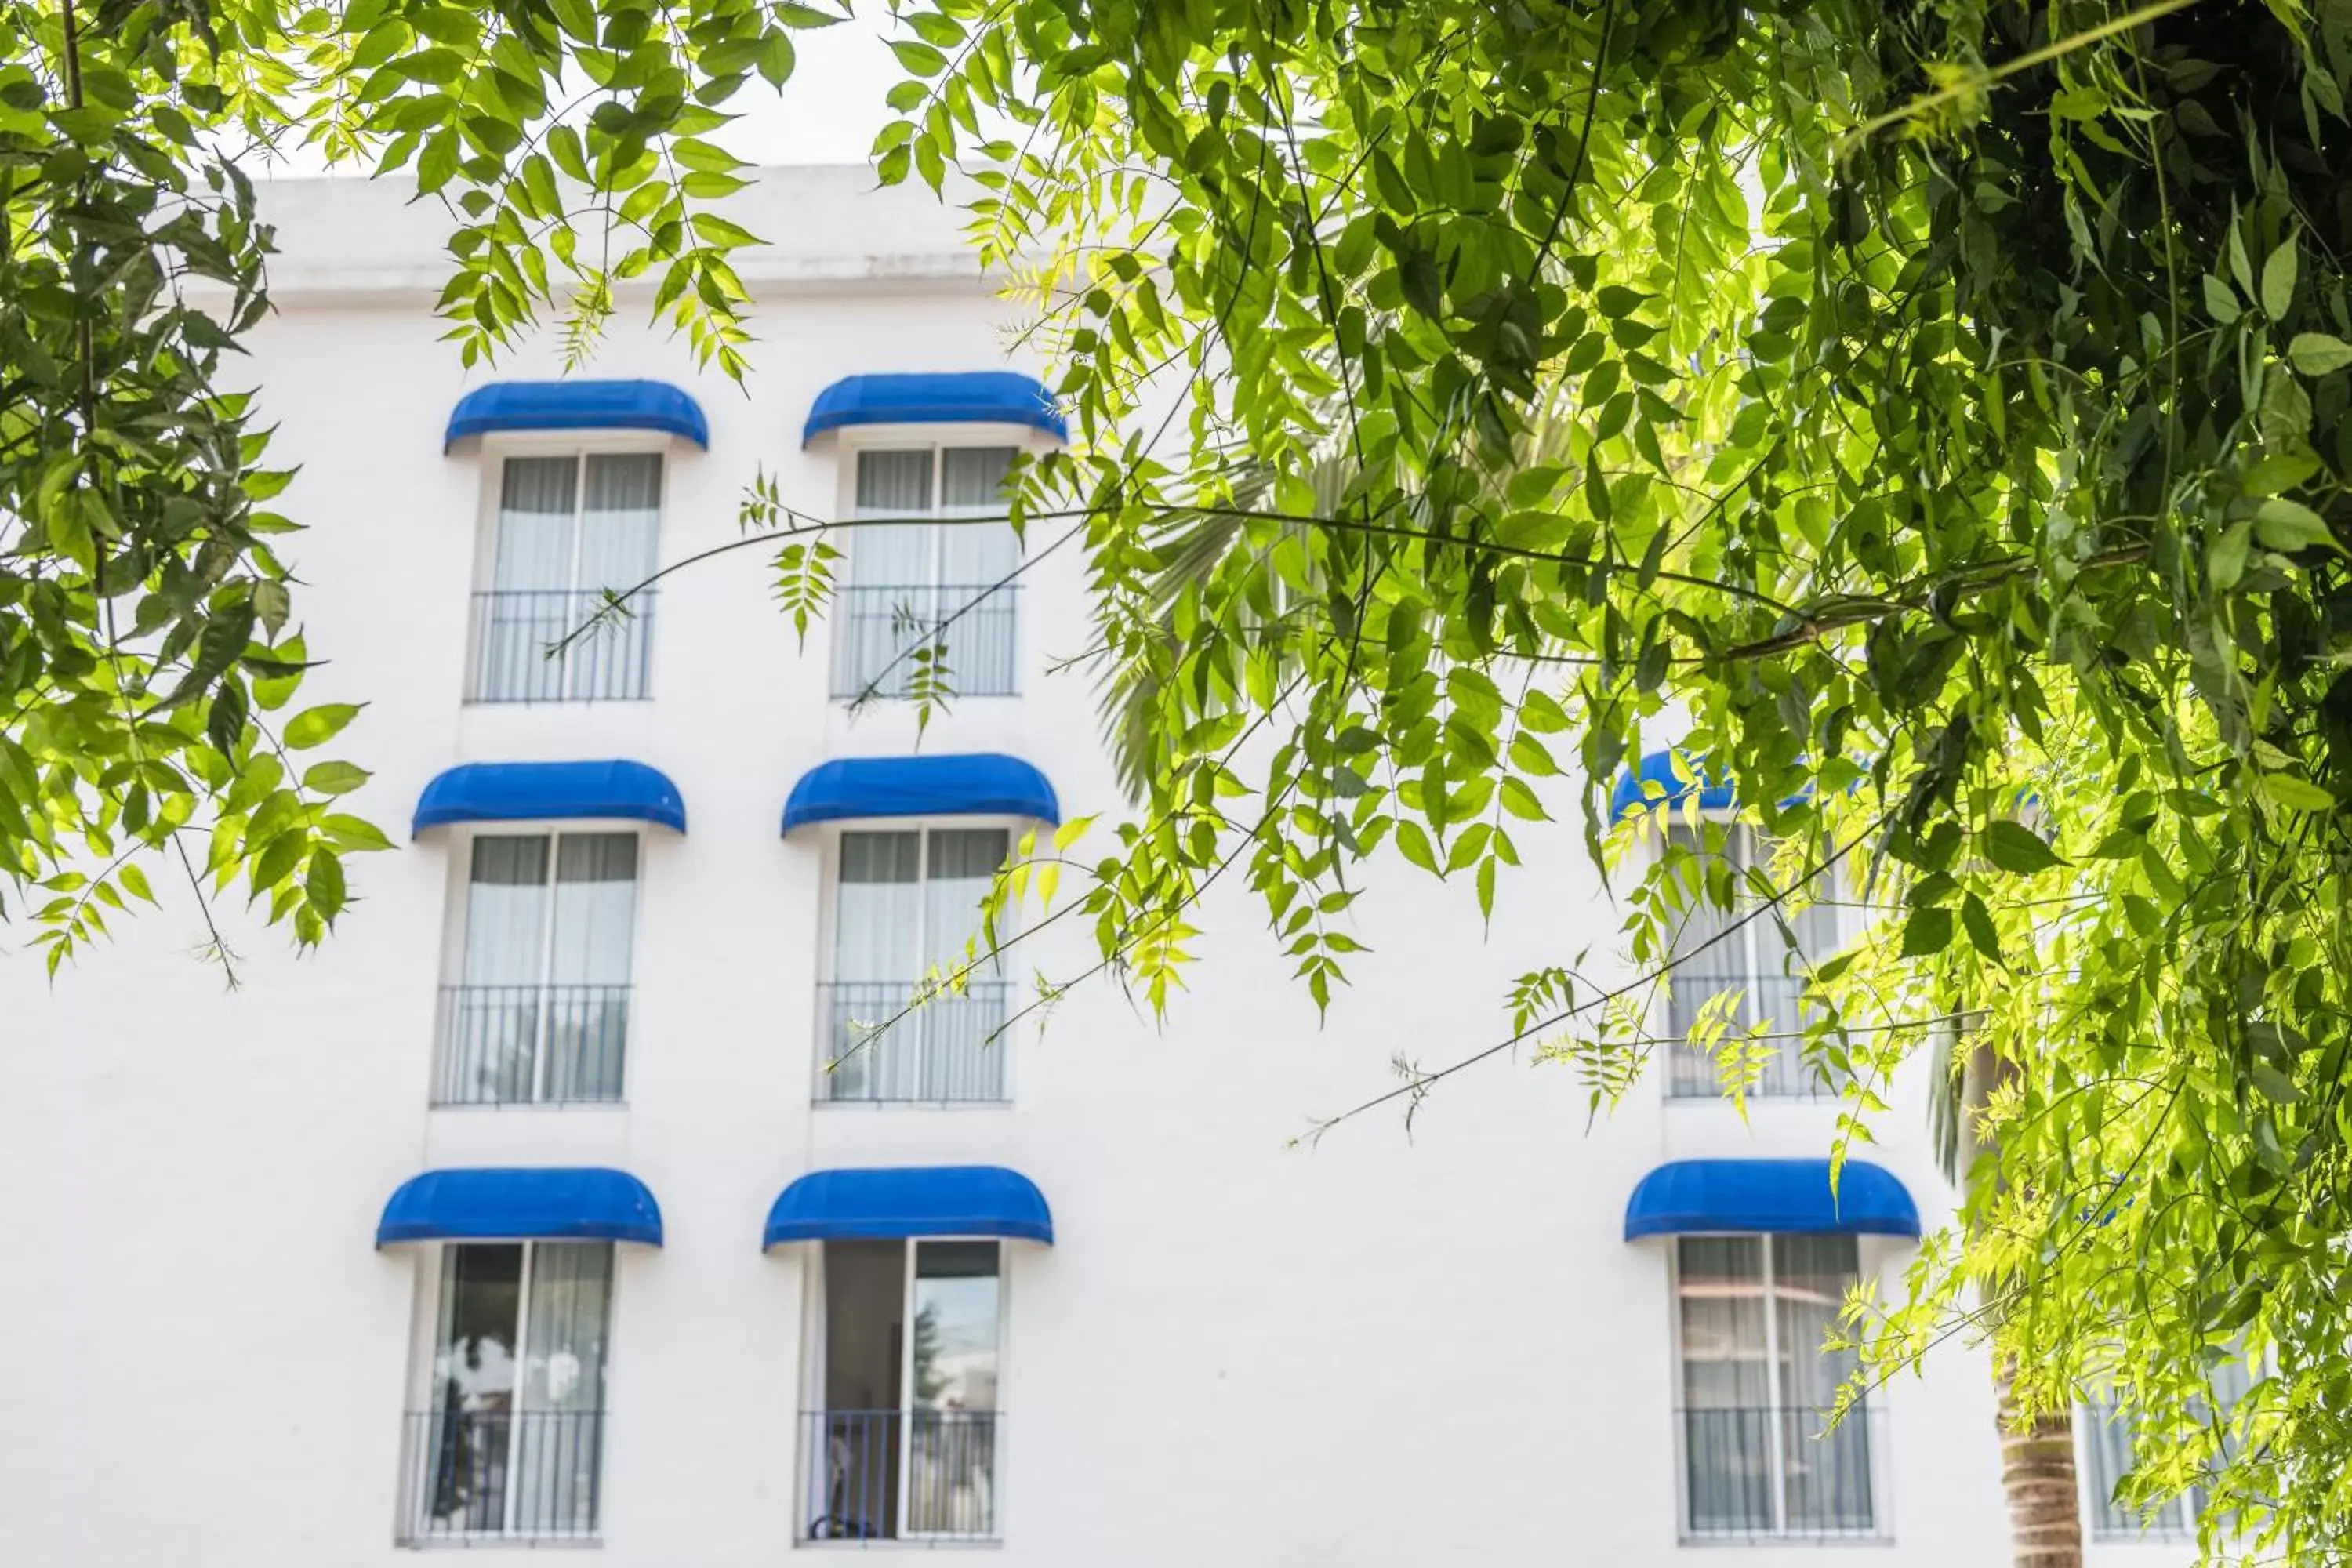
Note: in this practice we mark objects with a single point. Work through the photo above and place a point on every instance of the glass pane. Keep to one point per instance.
(854, 1451)
(963, 862)
(490, 1049)
(469, 1431)
(972, 479)
(1827, 1479)
(619, 528)
(1709, 968)
(1728, 1419)
(894, 483)
(877, 911)
(560, 1437)
(951, 1438)
(535, 510)
(588, 994)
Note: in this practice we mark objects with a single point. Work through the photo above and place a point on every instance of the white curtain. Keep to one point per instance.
(1825, 1473)
(560, 1441)
(1704, 971)
(877, 914)
(890, 602)
(1728, 1417)
(588, 966)
(493, 1029)
(529, 608)
(973, 558)
(962, 863)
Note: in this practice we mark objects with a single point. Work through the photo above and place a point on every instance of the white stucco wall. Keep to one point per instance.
(1385, 1350)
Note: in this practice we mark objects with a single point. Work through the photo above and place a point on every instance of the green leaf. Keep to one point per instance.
(2289, 525)
(2226, 563)
(1978, 921)
(2016, 849)
(324, 883)
(1928, 931)
(2295, 793)
(2220, 301)
(2317, 353)
(2279, 472)
(919, 58)
(317, 726)
(2278, 280)
(335, 778)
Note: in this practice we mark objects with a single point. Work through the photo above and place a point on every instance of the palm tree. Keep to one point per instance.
(2038, 1478)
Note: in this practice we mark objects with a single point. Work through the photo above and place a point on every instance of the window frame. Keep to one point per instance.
(829, 934)
(457, 921)
(496, 448)
(815, 1395)
(425, 1330)
(1753, 972)
(851, 445)
(1868, 1260)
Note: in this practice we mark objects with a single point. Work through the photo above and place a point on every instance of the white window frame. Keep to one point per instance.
(813, 1313)
(424, 1348)
(580, 446)
(454, 926)
(828, 940)
(854, 443)
(1757, 940)
(1867, 1263)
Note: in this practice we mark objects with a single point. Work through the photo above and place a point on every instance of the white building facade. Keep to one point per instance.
(526, 1214)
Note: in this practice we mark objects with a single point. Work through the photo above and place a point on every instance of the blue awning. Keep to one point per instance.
(577, 405)
(982, 783)
(1775, 1197)
(546, 791)
(559, 1204)
(978, 396)
(1660, 768)
(914, 1200)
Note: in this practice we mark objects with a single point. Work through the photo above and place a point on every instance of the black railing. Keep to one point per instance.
(473, 1473)
(1779, 1472)
(881, 623)
(516, 631)
(529, 1045)
(951, 1048)
(1693, 1074)
(891, 1475)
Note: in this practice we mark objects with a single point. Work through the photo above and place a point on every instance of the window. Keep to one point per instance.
(926, 600)
(905, 1444)
(1754, 961)
(2113, 1449)
(1758, 1459)
(510, 1440)
(568, 529)
(905, 907)
(540, 1012)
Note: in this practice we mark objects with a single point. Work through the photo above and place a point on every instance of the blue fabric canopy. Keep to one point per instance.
(544, 792)
(1776, 1197)
(894, 1203)
(981, 783)
(978, 396)
(1659, 768)
(559, 1204)
(577, 405)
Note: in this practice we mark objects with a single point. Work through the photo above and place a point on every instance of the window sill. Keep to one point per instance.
(885, 1106)
(916, 1544)
(488, 1542)
(476, 1106)
(1793, 1539)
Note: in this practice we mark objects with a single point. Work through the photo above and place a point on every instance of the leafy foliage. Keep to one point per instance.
(1953, 455)
(147, 630)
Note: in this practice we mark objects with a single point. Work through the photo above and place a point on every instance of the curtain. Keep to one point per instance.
(877, 909)
(1726, 1385)
(1825, 1475)
(973, 558)
(890, 602)
(1708, 971)
(490, 1053)
(561, 1438)
(620, 526)
(588, 968)
(963, 1056)
(530, 577)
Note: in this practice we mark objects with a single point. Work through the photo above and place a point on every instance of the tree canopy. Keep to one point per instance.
(1932, 419)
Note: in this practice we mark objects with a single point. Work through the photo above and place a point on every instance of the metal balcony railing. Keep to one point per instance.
(892, 1475)
(514, 630)
(1691, 1074)
(1781, 1472)
(949, 1048)
(470, 1474)
(530, 1045)
(882, 622)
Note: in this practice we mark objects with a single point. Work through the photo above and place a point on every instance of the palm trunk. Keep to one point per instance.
(2037, 1456)
(2037, 1480)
